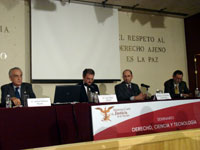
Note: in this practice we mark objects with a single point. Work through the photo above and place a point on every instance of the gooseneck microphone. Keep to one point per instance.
(144, 85)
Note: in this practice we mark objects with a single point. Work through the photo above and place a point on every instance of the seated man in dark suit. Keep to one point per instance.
(176, 87)
(88, 86)
(128, 91)
(17, 89)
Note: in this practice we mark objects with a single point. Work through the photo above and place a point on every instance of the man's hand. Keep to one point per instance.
(185, 95)
(16, 101)
(141, 96)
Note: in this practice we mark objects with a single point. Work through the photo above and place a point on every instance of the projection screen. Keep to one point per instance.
(66, 39)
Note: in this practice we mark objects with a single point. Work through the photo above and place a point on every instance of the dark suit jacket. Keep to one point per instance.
(169, 88)
(83, 94)
(6, 89)
(124, 94)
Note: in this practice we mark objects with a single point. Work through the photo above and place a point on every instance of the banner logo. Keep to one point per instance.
(105, 112)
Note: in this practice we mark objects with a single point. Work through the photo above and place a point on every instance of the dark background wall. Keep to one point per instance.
(192, 32)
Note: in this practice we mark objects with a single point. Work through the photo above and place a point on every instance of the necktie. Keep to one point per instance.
(17, 95)
(129, 87)
(176, 89)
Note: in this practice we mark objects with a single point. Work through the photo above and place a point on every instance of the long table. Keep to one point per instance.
(22, 128)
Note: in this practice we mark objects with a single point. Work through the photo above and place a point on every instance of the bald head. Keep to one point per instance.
(127, 76)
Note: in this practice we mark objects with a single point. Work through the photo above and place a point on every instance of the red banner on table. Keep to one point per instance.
(122, 120)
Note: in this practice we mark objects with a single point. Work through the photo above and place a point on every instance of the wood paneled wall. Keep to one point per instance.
(192, 32)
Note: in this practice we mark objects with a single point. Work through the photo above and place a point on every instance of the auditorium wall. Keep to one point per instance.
(151, 46)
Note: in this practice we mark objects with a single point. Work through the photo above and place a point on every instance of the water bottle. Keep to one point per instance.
(196, 92)
(157, 91)
(96, 99)
(90, 95)
(26, 96)
(8, 101)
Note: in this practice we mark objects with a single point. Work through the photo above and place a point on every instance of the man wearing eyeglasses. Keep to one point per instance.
(176, 87)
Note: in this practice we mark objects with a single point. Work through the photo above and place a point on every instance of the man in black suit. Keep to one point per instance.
(176, 87)
(16, 89)
(88, 86)
(126, 90)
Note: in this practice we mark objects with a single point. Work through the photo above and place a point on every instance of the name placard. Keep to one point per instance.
(37, 102)
(107, 98)
(163, 96)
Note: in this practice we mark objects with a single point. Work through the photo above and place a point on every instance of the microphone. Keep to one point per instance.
(92, 88)
(144, 85)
